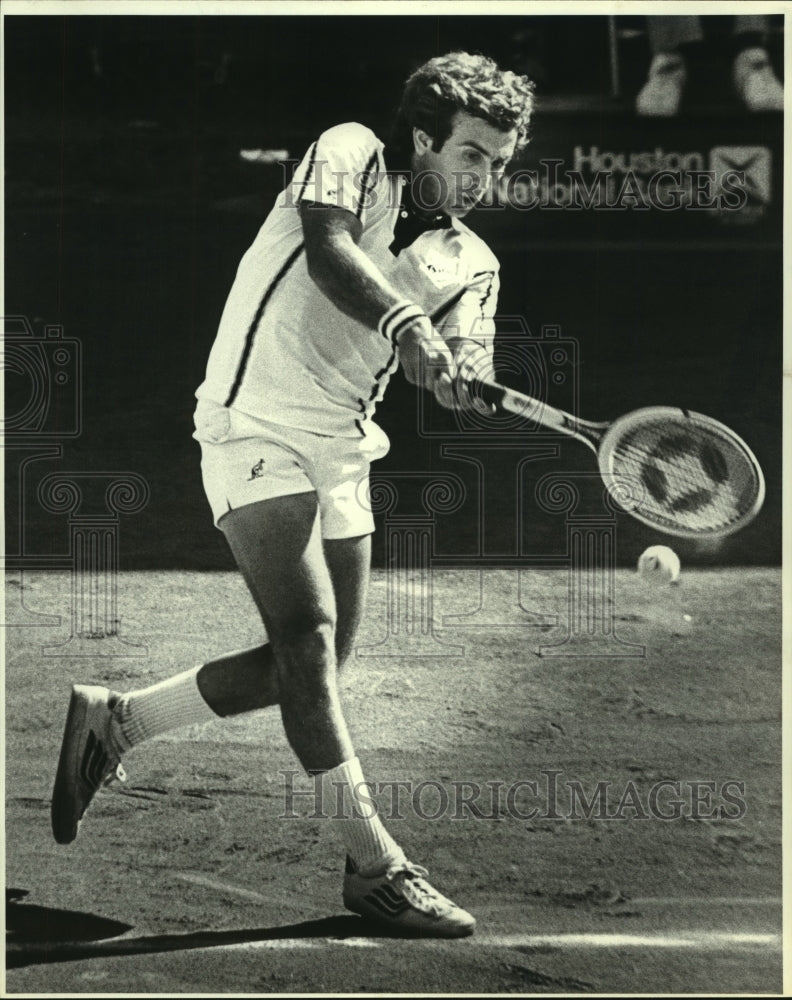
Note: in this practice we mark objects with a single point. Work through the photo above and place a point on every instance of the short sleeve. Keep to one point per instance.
(472, 315)
(341, 168)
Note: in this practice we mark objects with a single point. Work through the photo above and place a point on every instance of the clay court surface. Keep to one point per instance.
(188, 878)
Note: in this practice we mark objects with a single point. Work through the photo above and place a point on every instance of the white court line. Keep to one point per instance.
(223, 887)
(703, 901)
(291, 944)
(226, 888)
(698, 940)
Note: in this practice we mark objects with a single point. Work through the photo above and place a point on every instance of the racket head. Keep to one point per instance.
(683, 473)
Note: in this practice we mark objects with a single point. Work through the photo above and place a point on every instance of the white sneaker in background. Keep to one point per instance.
(662, 92)
(755, 82)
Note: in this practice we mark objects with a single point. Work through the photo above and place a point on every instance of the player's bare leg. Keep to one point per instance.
(278, 547)
(246, 680)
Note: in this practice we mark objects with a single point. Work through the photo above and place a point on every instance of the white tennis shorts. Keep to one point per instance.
(245, 459)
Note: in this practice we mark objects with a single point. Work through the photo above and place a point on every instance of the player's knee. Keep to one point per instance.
(305, 648)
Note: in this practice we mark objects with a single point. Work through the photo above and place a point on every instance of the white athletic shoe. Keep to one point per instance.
(755, 82)
(402, 899)
(661, 95)
(89, 758)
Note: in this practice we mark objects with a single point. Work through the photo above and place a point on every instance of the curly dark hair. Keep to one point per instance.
(460, 81)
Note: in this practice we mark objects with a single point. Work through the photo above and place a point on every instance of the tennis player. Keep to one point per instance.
(362, 265)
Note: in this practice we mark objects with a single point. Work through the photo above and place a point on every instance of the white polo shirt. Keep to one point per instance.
(284, 352)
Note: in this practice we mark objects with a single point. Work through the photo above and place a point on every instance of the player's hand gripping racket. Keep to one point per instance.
(697, 478)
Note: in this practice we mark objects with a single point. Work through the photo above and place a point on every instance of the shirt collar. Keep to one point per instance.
(411, 222)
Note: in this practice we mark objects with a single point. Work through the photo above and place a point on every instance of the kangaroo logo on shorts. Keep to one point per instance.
(257, 471)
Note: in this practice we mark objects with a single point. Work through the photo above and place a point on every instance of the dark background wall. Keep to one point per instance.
(128, 208)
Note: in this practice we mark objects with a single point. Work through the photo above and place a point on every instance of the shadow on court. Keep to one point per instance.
(38, 935)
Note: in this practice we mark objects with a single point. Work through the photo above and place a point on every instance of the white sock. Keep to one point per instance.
(157, 709)
(367, 841)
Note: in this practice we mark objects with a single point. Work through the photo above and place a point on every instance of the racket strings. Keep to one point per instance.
(690, 475)
(684, 475)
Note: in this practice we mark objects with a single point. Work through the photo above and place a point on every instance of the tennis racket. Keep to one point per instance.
(696, 477)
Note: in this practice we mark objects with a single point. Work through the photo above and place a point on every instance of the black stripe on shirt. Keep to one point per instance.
(375, 390)
(364, 189)
(358, 423)
(243, 361)
(438, 314)
(308, 173)
(488, 292)
(380, 375)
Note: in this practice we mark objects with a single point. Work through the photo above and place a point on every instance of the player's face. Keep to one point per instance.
(463, 171)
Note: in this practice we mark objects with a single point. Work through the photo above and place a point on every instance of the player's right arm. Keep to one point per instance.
(348, 276)
(356, 286)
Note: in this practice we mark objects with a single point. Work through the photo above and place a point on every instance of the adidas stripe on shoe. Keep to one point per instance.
(89, 758)
(402, 899)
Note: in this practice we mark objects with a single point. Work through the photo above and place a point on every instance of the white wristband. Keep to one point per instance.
(398, 318)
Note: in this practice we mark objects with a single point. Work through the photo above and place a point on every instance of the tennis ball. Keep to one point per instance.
(659, 564)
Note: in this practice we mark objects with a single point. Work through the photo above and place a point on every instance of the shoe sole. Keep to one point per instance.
(65, 822)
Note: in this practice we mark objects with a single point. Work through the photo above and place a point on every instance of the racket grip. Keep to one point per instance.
(490, 392)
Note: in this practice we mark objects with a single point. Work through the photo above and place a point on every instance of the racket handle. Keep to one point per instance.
(512, 401)
(537, 412)
(492, 393)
